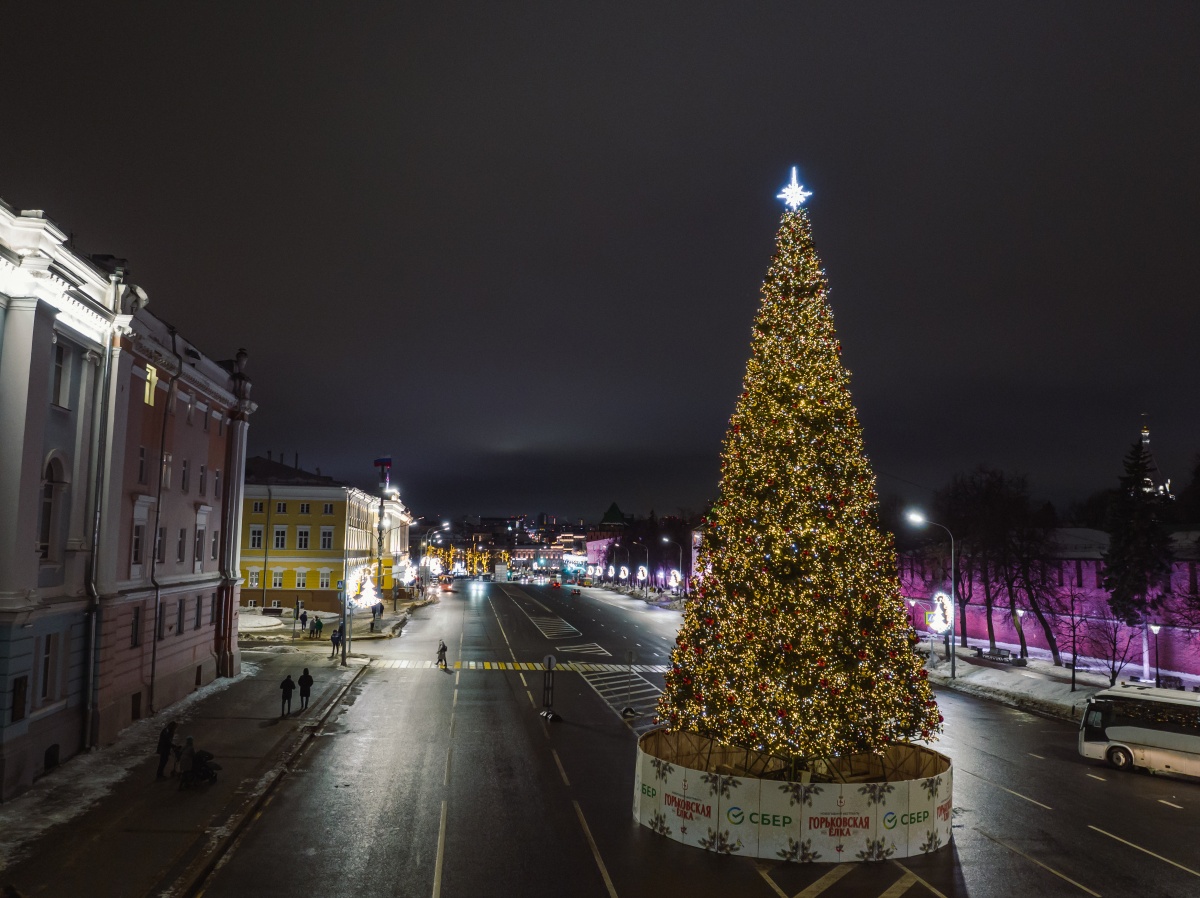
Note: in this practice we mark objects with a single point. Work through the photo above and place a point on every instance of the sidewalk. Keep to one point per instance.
(256, 628)
(1040, 686)
(102, 826)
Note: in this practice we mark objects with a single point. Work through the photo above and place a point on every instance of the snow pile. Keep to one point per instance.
(1020, 688)
(84, 779)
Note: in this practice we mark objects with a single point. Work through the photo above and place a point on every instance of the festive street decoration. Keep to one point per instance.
(798, 644)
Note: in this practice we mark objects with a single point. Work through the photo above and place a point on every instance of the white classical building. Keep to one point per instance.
(121, 472)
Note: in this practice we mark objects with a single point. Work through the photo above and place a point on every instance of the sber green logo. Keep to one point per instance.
(889, 820)
(735, 816)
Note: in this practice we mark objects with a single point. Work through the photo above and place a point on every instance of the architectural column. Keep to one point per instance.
(24, 404)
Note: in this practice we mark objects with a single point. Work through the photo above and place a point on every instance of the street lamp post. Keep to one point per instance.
(683, 582)
(1154, 628)
(917, 518)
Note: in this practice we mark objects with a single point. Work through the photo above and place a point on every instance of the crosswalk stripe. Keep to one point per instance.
(599, 674)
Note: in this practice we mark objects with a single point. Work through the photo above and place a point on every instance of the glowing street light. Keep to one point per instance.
(1154, 628)
(675, 577)
(919, 519)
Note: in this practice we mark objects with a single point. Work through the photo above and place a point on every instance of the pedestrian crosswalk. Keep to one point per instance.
(581, 667)
(629, 694)
(583, 648)
(553, 627)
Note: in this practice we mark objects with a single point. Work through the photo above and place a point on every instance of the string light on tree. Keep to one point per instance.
(798, 643)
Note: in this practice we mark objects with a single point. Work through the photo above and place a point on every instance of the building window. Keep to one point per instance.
(20, 698)
(328, 508)
(181, 548)
(323, 580)
(203, 477)
(253, 579)
(161, 623)
(199, 612)
(47, 684)
(281, 537)
(190, 406)
(274, 603)
(139, 533)
(61, 376)
(301, 579)
(256, 534)
(166, 471)
(48, 511)
(212, 609)
(180, 611)
(253, 603)
(326, 537)
(216, 483)
(205, 420)
(304, 508)
(141, 464)
(151, 383)
(198, 555)
(215, 543)
(276, 579)
(135, 627)
(301, 537)
(280, 508)
(184, 481)
(160, 546)
(257, 508)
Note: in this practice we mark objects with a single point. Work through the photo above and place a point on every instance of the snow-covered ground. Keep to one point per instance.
(83, 780)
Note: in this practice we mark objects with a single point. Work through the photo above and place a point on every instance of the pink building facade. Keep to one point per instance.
(1075, 606)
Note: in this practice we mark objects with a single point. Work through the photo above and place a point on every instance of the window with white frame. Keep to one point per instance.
(198, 555)
(301, 537)
(215, 543)
(252, 579)
(199, 613)
(181, 546)
(274, 603)
(256, 508)
(256, 535)
(179, 616)
(280, 508)
(276, 579)
(141, 477)
(304, 508)
(166, 470)
(217, 483)
(301, 579)
(326, 537)
(323, 580)
(203, 478)
(139, 534)
(328, 508)
(184, 480)
(160, 546)
(60, 388)
(280, 537)
(151, 384)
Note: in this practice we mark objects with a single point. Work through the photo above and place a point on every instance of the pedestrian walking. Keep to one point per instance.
(306, 683)
(288, 686)
(334, 638)
(303, 620)
(319, 624)
(441, 658)
(166, 744)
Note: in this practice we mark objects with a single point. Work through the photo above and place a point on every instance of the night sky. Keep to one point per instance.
(518, 246)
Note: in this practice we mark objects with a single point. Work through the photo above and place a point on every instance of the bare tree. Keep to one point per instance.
(1110, 640)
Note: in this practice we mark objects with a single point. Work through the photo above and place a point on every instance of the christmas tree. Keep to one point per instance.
(798, 643)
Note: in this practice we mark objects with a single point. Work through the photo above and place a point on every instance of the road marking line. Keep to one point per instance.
(454, 703)
(919, 879)
(595, 851)
(1093, 776)
(531, 701)
(1034, 860)
(562, 771)
(1032, 755)
(1170, 804)
(1009, 791)
(522, 676)
(449, 749)
(767, 876)
(825, 881)
(900, 886)
(1146, 850)
(441, 851)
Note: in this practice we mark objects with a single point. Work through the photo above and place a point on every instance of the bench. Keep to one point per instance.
(274, 612)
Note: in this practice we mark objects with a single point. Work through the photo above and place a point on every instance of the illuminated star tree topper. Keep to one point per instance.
(794, 194)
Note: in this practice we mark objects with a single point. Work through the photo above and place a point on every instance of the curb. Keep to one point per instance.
(191, 881)
(1011, 700)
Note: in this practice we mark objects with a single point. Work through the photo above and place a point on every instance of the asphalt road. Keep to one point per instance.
(432, 783)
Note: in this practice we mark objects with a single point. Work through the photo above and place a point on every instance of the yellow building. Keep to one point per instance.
(304, 533)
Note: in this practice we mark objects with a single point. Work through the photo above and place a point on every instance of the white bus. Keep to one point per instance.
(1141, 726)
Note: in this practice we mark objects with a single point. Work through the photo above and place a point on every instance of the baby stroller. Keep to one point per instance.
(204, 769)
